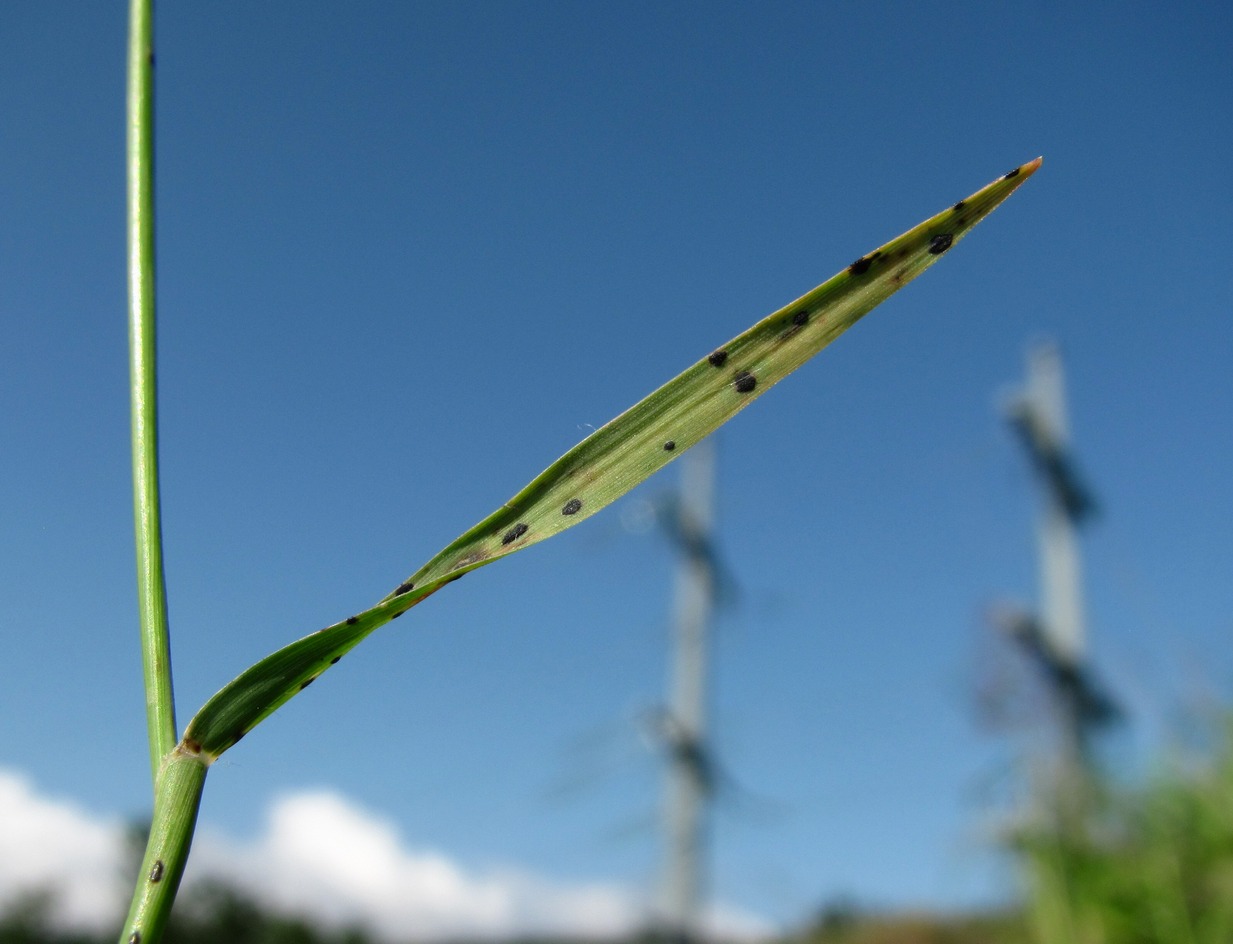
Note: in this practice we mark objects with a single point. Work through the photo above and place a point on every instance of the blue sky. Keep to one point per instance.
(411, 253)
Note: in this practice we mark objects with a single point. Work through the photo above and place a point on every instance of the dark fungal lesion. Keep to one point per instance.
(959, 206)
(134, 938)
(940, 243)
(744, 382)
(1011, 174)
(794, 323)
(352, 620)
(717, 358)
(572, 507)
(514, 533)
(861, 265)
(308, 681)
(669, 445)
(156, 872)
(334, 661)
(404, 588)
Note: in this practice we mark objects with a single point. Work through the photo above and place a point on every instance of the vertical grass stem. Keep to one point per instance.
(151, 588)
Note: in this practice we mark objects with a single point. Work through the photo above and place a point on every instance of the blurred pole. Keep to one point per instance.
(689, 775)
(1061, 591)
(1061, 594)
(1057, 637)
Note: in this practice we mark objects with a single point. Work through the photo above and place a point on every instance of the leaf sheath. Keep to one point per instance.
(176, 801)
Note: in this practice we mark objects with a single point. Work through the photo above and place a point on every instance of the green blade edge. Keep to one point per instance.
(616, 457)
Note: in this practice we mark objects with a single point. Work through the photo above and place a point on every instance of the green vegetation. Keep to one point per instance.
(1146, 866)
(216, 915)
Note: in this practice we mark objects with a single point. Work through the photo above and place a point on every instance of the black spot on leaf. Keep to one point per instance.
(395, 616)
(669, 445)
(1013, 173)
(940, 243)
(404, 588)
(352, 620)
(514, 533)
(308, 681)
(860, 266)
(745, 381)
(800, 318)
(958, 206)
(134, 938)
(572, 507)
(334, 661)
(156, 871)
(717, 358)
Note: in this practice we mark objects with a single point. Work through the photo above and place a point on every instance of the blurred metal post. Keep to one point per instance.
(689, 776)
(1056, 639)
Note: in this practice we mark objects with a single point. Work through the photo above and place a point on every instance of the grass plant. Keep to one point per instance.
(604, 466)
(1152, 865)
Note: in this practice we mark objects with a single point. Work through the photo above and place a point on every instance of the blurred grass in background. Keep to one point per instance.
(1142, 866)
(1148, 865)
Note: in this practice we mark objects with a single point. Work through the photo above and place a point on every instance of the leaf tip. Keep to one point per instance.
(1028, 169)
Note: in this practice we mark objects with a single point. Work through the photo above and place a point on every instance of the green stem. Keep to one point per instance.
(178, 771)
(151, 588)
(176, 800)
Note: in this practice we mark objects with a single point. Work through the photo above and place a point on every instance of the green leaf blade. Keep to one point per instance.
(621, 454)
(630, 448)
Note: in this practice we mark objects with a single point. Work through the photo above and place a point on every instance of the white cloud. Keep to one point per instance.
(53, 844)
(322, 855)
(323, 858)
